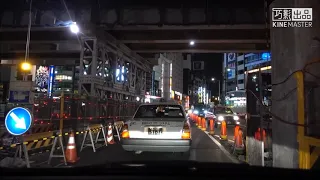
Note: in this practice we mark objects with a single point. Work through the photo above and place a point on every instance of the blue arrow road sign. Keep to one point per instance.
(18, 121)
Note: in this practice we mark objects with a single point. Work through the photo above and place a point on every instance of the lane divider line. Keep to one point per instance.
(59, 165)
(233, 159)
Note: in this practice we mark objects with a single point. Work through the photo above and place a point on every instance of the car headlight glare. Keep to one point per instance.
(220, 118)
(195, 112)
(236, 118)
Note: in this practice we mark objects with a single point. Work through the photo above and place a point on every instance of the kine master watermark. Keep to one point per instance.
(291, 17)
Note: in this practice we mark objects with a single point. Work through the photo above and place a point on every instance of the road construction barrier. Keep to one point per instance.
(110, 139)
(94, 132)
(36, 141)
(195, 119)
(223, 134)
(71, 150)
(236, 131)
(238, 141)
(39, 128)
(203, 124)
(199, 122)
(57, 144)
(118, 127)
(257, 136)
(211, 121)
(8, 139)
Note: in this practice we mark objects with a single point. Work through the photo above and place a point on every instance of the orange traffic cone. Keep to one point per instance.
(203, 122)
(236, 131)
(211, 126)
(195, 118)
(223, 134)
(110, 135)
(71, 151)
(239, 146)
(257, 136)
(199, 122)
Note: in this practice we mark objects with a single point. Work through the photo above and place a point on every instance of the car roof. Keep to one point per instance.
(160, 103)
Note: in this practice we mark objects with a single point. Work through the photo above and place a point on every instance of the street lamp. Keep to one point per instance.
(74, 28)
(25, 66)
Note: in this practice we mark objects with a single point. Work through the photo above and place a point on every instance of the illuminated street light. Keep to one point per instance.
(74, 28)
(212, 79)
(191, 43)
(26, 66)
(228, 69)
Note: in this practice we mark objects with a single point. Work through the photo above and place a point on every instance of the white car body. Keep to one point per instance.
(158, 134)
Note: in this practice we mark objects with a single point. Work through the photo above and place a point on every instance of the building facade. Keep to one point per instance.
(236, 67)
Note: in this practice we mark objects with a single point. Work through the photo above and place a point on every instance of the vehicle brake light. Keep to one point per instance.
(186, 134)
(125, 132)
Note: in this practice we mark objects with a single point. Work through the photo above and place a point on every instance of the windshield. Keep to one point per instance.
(159, 111)
(99, 68)
(223, 110)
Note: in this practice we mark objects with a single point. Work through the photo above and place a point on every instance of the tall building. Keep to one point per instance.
(235, 70)
(168, 76)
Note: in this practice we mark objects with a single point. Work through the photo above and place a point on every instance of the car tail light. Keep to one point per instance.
(186, 133)
(125, 132)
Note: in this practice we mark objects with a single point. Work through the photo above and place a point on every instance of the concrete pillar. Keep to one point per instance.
(291, 49)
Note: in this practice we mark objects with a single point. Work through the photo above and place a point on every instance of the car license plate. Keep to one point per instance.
(154, 131)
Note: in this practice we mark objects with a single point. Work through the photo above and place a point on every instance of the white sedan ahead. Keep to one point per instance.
(157, 127)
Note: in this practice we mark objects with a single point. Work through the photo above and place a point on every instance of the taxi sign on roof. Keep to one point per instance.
(18, 121)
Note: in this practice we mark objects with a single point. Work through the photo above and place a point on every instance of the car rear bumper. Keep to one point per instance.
(156, 145)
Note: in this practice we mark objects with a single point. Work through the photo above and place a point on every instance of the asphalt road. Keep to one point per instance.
(204, 148)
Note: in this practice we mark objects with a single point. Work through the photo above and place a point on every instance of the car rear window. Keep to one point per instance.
(223, 110)
(159, 111)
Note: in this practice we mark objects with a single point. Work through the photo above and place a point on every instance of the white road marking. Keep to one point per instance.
(233, 159)
(40, 163)
(59, 165)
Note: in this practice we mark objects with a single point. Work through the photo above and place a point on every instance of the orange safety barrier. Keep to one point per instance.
(203, 122)
(71, 151)
(211, 126)
(199, 122)
(238, 146)
(236, 131)
(257, 136)
(223, 134)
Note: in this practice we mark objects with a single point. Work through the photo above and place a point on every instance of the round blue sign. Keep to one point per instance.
(18, 121)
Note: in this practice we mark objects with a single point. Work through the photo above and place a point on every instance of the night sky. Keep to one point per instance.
(212, 69)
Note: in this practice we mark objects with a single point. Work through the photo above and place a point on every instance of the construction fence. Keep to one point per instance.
(77, 115)
(58, 143)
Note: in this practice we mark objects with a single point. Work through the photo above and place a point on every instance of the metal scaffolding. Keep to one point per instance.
(106, 72)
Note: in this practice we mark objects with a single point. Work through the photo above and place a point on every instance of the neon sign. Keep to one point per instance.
(265, 56)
